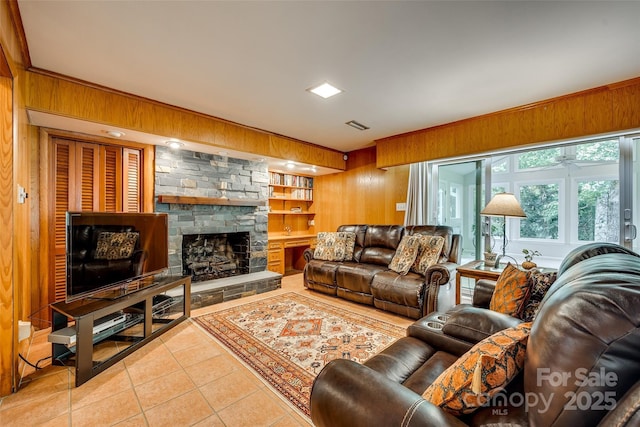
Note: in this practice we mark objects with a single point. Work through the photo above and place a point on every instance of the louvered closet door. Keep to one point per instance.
(64, 187)
(89, 177)
(111, 179)
(132, 193)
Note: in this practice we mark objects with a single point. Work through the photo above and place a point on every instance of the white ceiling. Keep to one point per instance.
(403, 65)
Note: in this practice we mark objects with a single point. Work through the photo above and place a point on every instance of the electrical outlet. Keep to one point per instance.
(401, 206)
(22, 194)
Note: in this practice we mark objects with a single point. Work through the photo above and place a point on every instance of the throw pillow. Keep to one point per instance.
(114, 246)
(331, 246)
(539, 284)
(481, 372)
(429, 253)
(406, 254)
(511, 292)
(349, 245)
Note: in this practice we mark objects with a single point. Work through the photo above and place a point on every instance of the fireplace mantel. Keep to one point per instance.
(194, 200)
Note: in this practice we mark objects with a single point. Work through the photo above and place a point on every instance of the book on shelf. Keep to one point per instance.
(289, 180)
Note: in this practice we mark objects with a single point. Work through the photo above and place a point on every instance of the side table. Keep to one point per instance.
(476, 270)
(479, 270)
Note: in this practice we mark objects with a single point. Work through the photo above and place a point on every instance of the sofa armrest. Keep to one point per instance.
(440, 274)
(437, 275)
(308, 254)
(473, 324)
(429, 330)
(483, 292)
(346, 393)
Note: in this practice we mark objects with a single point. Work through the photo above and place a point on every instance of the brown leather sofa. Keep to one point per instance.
(367, 279)
(587, 330)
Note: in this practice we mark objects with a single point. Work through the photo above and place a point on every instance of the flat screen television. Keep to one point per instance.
(108, 250)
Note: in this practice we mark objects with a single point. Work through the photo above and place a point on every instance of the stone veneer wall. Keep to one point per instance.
(189, 173)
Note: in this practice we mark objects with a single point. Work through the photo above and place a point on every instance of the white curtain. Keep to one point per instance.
(416, 213)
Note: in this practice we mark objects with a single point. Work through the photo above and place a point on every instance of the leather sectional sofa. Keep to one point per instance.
(366, 277)
(580, 365)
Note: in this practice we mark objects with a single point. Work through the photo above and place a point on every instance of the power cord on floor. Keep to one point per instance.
(31, 364)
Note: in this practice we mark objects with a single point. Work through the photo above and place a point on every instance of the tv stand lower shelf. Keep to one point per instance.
(93, 334)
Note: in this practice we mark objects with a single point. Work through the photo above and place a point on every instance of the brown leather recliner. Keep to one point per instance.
(367, 279)
(582, 363)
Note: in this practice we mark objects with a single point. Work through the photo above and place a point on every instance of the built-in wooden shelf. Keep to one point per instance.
(195, 200)
(283, 212)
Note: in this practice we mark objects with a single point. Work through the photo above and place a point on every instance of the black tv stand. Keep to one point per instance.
(81, 337)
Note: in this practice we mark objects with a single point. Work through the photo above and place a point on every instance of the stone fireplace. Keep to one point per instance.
(216, 180)
(215, 255)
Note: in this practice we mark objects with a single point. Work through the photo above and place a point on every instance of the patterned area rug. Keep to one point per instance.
(288, 339)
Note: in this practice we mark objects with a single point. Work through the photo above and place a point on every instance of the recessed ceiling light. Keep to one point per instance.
(223, 153)
(173, 143)
(357, 125)
(290, 165)
(114, 133)
(325, 90)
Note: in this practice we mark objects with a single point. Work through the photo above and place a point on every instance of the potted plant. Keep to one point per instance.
(528, 258)
(490, 256)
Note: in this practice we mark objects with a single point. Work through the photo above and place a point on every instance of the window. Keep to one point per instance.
(539, 158)
(599, 211)
(601, 151)
(497, 223)
(541, 204)
(455, 201)
(572, 194)
(500, 165)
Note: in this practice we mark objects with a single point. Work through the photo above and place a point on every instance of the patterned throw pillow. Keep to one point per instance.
(481, 372)
(429, 253)
(539, 284)
(332, 246)
(511, 292)
(349, 245)
(114, 246)
(406, 254)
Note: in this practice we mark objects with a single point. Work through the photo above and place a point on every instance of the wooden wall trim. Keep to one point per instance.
(61, 95)
(16, 19)
(8, 340)
(605, 109)
(5, 70)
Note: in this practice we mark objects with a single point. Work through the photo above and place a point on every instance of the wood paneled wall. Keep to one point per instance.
(55, 94)
(609, 108)
(7, 308)
(363, 194)
(15, 239)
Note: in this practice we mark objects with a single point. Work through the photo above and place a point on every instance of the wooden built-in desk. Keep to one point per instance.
(285, 252)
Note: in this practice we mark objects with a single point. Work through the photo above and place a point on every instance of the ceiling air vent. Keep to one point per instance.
(357, 125)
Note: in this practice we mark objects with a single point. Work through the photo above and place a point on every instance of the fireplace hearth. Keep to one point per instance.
(215, 256)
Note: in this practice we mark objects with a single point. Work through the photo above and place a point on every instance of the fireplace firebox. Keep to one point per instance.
(215, 256)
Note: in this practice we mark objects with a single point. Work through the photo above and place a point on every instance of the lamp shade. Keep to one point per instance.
(504, 204)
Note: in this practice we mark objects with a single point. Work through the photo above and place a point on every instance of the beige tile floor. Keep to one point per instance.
(182, 378)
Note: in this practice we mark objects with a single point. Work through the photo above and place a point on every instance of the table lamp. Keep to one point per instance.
(504, 205)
